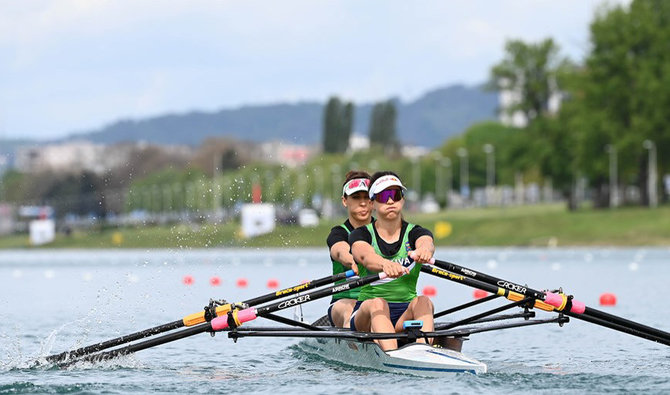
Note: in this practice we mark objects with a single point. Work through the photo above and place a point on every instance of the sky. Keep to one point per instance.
(70, 66)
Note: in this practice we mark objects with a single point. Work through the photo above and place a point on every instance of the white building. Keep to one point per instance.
(66, 157)
(291, 155)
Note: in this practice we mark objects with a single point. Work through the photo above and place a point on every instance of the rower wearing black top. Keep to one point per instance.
(355, 199)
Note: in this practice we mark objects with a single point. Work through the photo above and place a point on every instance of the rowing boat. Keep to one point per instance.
(443, 357)
(414, 358)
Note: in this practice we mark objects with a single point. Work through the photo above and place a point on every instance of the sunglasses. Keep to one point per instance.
(383, 196)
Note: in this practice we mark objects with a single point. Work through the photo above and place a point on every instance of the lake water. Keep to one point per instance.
(51, 301)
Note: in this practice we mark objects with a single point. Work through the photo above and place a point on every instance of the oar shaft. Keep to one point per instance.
(606, 317)
(522, 289)
(197, 318)
(510, 295)
(237, 318)
(155, 341)
(560, 302)
(621, 328)
(243, 315)
(115, 342)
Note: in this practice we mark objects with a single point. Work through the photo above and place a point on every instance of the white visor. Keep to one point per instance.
(385, 182)
(355, 185)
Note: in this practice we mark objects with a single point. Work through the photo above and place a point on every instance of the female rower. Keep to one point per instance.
(397, 248)
(355, 199)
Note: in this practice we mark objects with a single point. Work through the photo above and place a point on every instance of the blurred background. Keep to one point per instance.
(208, 123)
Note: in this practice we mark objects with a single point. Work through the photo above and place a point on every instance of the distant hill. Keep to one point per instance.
(427, 121)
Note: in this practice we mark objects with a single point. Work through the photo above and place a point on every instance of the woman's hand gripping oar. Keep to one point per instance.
(210, 312)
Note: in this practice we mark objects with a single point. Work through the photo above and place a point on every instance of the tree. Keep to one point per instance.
(529, 71)
(623, 93)
(383, 130)
(338, 120)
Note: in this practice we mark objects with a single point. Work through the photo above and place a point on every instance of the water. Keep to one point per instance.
(51, 301)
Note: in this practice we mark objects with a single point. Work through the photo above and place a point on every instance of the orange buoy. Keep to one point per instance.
(215, 281)
(187, 280)
(480, 293)
(608, 299)
(273, 283)
(429, 291)
(241, 282)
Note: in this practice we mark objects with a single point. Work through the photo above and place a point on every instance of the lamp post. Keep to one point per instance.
(614, 196)
(416, 176)
(446, 162)
(490, 164)
(439, 188)
(490, 172)
(465, 187)
(652, 173)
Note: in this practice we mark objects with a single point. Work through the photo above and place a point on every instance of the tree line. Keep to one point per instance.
(338, 120)
(613, 103)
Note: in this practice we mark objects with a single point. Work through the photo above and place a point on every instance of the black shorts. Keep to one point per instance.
(395, 310)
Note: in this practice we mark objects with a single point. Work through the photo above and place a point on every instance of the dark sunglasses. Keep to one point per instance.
(383, 196)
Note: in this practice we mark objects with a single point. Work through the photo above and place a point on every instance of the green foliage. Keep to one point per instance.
(507, 143)
(622, 95)
(11, 186)
(530, 70)
(338, 121)
(382, 130)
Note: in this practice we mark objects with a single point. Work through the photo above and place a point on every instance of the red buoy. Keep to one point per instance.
(608, 299)
(242, 282)
(429, 291)
(215, 281)
(480, 293)
(273, 283)
(187, 280)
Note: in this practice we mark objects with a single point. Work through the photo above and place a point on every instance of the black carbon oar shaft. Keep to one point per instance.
(207, 327)
(589, 314)
(181, 323)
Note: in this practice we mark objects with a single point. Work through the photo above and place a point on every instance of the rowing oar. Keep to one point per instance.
(232, 319)
(495, 290)
(559, 302)
(199, 318)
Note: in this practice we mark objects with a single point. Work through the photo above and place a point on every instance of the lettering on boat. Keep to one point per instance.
(352, 346)
(468, 272)
(291, 290)
(294, 301)
(512, 286)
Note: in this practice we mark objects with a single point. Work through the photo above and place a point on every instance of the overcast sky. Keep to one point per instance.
(77, 65)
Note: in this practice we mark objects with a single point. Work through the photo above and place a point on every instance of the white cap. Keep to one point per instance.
(355, 185)
(385, 182)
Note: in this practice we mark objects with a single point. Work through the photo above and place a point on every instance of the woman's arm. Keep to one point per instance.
(364, 254)
(340, 253)
(424, 249)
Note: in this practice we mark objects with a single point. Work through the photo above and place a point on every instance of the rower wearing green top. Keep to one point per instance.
(397, 248)
(399, 290)
(355, 199)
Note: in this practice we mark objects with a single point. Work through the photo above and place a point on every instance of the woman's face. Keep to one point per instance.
(358, 205)
(389, 202)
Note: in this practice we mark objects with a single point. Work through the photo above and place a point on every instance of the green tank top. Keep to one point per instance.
(393, 290)
(339, 268)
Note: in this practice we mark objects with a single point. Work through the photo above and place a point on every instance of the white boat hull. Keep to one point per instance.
(415, 358)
